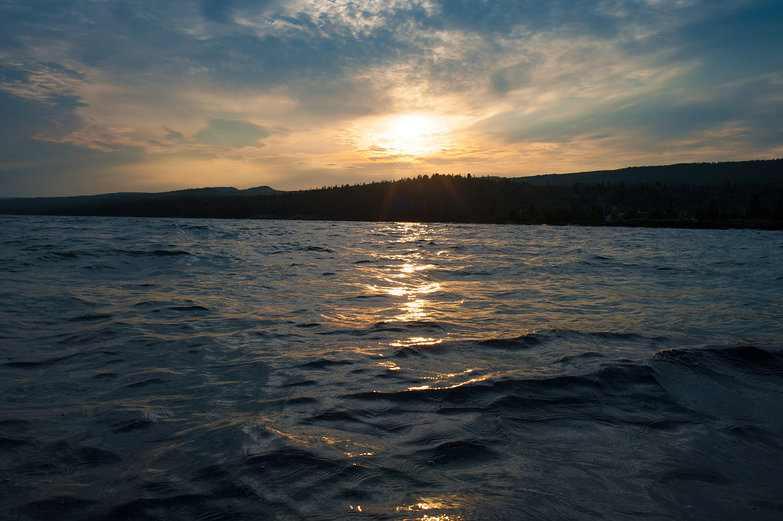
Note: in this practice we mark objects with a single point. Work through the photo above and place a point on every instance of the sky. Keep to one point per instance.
(103, 96)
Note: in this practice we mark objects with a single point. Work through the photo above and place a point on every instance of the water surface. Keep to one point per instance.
(205, 369)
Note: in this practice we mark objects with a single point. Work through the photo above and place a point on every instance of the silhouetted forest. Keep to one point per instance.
(740, 194)
(744, 172)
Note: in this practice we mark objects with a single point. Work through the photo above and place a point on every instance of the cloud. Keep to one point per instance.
(46, 82)
(231, 134)
(216, 10)
(35, 120)
(510, 78)
(173, 135)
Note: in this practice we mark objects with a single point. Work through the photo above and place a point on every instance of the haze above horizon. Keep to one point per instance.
(115, 96)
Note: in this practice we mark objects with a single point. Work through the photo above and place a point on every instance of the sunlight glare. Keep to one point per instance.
(433, 509)
(406, 135)
(412, 134)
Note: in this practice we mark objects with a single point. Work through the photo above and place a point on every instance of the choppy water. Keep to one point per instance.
(209, 370)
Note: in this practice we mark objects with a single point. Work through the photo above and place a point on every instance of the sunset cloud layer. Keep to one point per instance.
(105, 95)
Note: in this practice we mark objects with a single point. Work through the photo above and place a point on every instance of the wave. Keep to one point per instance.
(522, 342)
(151, 253)
(71, 255)
(90, 317)
(55, 256)
(74, 354)
(194, 307)
(745, 358)
(739, 384)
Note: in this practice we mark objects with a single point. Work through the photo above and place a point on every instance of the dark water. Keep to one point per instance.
(209, 370)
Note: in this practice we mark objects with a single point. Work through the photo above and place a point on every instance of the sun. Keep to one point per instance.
(412, 134)
(406, 136)
(411, 126)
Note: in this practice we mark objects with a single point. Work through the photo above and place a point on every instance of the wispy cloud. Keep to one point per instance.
(231, 134)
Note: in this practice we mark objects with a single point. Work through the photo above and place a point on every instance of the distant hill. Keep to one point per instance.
(738, 194)
(737, 172)
(207, 202)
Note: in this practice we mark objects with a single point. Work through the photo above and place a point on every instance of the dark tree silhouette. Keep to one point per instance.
(742, 194)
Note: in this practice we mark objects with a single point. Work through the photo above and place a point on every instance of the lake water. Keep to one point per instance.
(208, 370)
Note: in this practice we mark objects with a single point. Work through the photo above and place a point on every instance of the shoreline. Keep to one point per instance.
(693, 224)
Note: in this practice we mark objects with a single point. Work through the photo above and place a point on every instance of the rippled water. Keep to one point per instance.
(202, 369)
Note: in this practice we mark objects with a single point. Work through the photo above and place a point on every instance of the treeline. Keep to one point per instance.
(454, 198)
(743, 172)
(457, 198)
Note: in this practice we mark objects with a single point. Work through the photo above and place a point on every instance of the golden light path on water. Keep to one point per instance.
(427, 509)
(409, 280)
(406, 276)
(413, 306)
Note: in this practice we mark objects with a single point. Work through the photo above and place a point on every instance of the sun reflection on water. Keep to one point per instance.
(416, 341)
(413, 310)
(311, 437)
(405, 276)
(432, 509)
(405, 290)
(445, 377)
